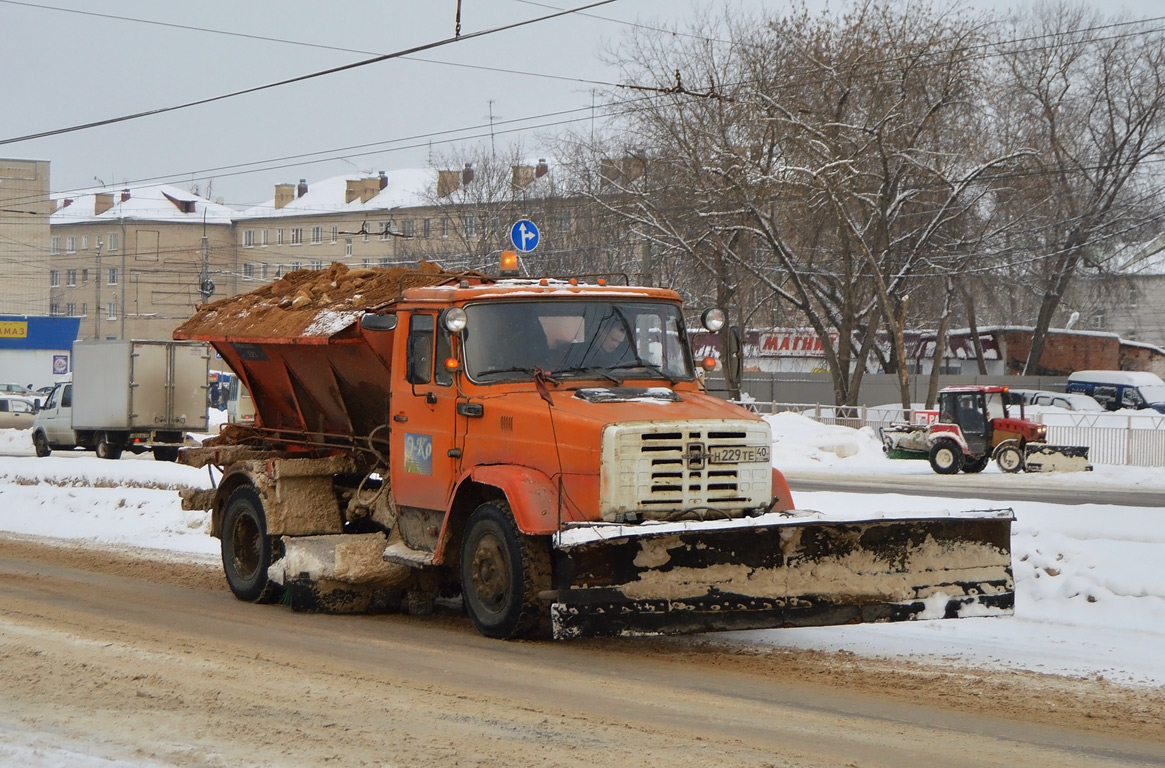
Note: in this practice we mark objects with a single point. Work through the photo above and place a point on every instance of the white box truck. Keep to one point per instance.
(127, 395)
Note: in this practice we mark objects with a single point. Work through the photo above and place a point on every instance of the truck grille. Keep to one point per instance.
(655, 470)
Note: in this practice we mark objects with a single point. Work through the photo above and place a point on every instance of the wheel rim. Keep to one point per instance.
(491, 574)
(945, 458)
(246, 546)
(1009, 459)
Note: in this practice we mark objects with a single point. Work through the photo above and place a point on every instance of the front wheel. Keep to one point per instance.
(106, 448)
(246, 547)
(1009, 458)
(946, 457)
(40, 444)
(502, 572)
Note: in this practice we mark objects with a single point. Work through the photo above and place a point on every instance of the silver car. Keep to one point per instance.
(16, 412)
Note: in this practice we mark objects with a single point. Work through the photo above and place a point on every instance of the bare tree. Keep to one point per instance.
(820, 163)
(1087, 96)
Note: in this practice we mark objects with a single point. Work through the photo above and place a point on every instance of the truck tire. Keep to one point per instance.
(946, 457)
(502, 572)
(246, 547)
(165, 453)
(1009, 458)
(40, 444)
(106, 448)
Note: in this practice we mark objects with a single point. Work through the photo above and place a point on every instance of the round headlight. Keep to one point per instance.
(712, 319)
(454, 319)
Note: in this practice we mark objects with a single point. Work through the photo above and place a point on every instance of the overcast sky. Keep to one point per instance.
(72, 62)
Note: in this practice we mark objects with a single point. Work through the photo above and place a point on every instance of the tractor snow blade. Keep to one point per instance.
(780, 571)
(1039, 457)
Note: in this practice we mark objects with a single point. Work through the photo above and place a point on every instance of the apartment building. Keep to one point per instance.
(24, 236)
(133, 263)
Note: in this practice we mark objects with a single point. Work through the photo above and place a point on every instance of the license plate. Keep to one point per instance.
(738, 454)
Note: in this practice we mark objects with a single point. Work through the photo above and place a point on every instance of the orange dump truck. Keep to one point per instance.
(544, 450)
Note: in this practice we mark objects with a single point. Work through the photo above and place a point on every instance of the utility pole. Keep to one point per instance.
(97, 280)
(205, 284)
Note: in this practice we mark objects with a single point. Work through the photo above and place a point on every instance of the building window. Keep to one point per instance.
(470, 226)
(54, 308)
(317, 235)
(55, 278)
(113, 244)
(84, 242)
(70, 244)
(54, 245)
(385, 228)
(335, 233)
(248, 271)
(427, 228)
(113, 276)
(248, 238)
(347, 246)
(444, 227)
(279, 237)
(111, 311)
(384, 262)
(263, 238)
(295, 266)
(70, 277)
(297, 235)
(406, 228)
(85, 276)
(317, 265)
(562, 221)
(265, 270)
(84, 309)
(367, 263)
(278, 271)
(71, 309)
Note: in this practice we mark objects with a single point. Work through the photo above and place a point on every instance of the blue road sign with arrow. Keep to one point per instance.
(524, 235)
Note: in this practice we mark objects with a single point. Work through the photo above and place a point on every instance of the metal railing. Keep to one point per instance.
(1136, 440)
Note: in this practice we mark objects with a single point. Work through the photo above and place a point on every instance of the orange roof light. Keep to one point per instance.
(509, 264)
(451, 364)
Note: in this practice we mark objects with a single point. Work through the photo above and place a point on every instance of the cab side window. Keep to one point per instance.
(1131, 398)
(67, 397)
(420, 349)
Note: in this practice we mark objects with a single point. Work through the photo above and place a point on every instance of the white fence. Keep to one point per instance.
(1133, 439)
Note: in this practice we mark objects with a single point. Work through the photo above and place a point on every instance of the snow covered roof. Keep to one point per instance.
(160, 202)
(406, 188)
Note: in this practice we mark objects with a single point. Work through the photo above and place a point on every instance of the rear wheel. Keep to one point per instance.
(1009, 458)
(40, 444)
(166, 453)
(974, 466)
(946, 457)
(502, 572)
(246, 547)
(106, 448)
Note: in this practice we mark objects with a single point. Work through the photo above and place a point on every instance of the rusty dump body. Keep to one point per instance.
(545, 449)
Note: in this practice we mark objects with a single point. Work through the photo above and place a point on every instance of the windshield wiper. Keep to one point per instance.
(588, 370)
(646, 366)
(516, 369)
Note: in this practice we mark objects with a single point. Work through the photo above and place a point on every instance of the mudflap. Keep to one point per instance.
(1040, 457)
(779, 571)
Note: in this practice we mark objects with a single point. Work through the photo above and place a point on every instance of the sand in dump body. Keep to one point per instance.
(300, 303)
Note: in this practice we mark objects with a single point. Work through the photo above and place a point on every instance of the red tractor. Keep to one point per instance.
(976, 425)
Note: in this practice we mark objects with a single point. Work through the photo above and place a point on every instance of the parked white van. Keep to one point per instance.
(240, 408)
(1120, 389)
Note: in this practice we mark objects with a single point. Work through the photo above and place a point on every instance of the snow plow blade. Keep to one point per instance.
(1039, 457)
(781, 571)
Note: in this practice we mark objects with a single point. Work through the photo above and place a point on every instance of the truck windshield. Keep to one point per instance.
(580, 339)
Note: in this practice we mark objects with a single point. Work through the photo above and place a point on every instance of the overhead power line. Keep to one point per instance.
(302, 78)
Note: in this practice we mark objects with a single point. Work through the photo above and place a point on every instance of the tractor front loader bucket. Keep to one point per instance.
(780, 571)
(1040, 457)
